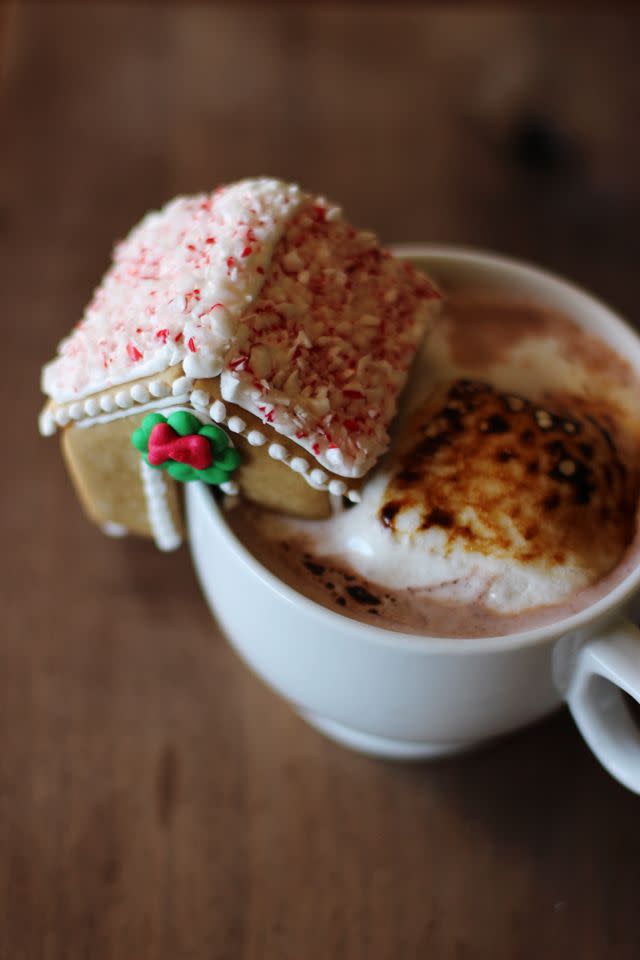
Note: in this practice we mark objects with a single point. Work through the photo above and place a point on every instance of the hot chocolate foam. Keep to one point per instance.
(494, 507)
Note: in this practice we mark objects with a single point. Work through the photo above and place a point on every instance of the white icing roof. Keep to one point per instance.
(176, 290)
(314, 335)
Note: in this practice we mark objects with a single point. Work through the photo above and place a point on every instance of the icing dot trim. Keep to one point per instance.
(182, 385)
(230, 487)
(200, 398)
(153, 405)
(218, 412)
(139, 398)
(124, 399)
(277, 451)
(158, 388)
(140, 393)
(165, 535)
(47, 423)
(316, 478)
(112, 529)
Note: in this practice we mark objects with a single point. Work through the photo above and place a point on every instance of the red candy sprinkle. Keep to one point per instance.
(192, 345)
(134, 353)
(210, 309)
(162, 335)
(239, 363)
(246, 251)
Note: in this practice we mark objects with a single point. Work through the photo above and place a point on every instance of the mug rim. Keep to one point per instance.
(592, 614)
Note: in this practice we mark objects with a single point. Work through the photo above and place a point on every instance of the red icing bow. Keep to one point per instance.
(166, 444)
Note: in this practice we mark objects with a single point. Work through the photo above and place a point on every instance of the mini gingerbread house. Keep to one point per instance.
(250, 338)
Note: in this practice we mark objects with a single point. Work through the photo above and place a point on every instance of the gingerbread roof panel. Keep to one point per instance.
(176, 289)
(311, 326)
(325, 349)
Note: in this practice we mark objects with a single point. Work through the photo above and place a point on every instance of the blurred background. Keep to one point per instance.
(514, 130)
(155, 800)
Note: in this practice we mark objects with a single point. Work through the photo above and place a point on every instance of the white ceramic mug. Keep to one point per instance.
(396, 695)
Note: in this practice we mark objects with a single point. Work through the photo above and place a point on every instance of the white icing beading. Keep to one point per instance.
(236, 424)
(162, 526)
(158, 388)
(124, 399)
(112, 529)
(277, 451)
(218, 412)
(318, 477)
(200, 398)
(140, 394)
(182, 385)
(230, 487)
(47, 423)
(172, 402)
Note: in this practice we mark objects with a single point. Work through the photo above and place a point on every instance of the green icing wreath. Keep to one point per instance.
(224, 458)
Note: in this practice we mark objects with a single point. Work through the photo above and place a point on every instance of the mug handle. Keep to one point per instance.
(607, 665)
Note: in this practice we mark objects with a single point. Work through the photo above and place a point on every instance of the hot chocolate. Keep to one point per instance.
(508, 499)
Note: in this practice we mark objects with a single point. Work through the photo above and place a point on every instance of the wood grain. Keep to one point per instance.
(156, 801)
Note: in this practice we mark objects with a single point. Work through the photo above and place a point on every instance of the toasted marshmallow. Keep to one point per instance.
(491, 498)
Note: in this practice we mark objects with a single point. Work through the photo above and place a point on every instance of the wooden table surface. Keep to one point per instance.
(156, 801)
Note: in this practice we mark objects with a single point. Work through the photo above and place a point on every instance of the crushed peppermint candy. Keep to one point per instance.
(170, 295)
(323, 362)
(311, 325)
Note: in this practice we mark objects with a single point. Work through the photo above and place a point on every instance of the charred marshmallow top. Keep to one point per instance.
(312, 326)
